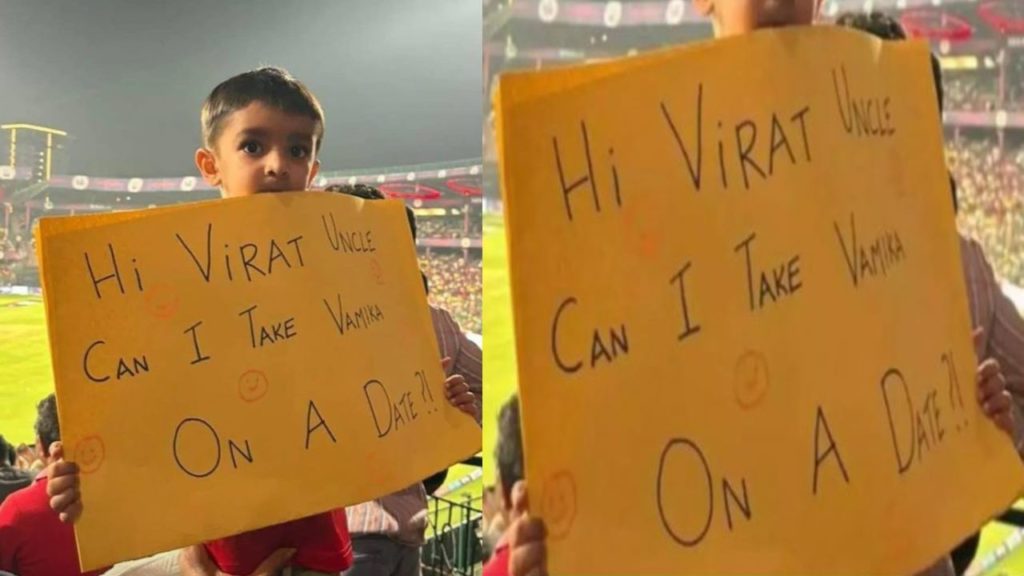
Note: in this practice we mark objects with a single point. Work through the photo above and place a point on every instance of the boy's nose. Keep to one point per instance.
(274, 164)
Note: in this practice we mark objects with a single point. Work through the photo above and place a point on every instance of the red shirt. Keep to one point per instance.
(33, 540)
(321, 541)
(498, 564)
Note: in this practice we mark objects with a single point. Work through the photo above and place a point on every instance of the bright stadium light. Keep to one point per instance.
(547, 11)
(674, 12)
(612, 13)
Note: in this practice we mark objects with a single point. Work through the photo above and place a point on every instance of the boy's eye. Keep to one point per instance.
(300, 151)
(251, 147)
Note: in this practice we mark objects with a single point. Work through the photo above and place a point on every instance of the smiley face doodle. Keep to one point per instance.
(89, 454)
(751, 379)
(558, 504)
(252, 385)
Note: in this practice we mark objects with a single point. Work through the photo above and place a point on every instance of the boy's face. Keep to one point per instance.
(732, 17)
(261, 149)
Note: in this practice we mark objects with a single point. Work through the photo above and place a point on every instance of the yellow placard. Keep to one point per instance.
(234, 364)
(739, 307)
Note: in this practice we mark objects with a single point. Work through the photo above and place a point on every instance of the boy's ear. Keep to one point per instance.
(207, 165)
(706, 7)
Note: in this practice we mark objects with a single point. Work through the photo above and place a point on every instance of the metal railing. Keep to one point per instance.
(456, 547)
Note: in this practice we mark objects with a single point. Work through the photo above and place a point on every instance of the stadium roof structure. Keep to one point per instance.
(456, 181)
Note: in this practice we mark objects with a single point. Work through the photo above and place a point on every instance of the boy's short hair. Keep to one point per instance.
(886, 27)
(269, 85)
(47, 425)
(509, 451)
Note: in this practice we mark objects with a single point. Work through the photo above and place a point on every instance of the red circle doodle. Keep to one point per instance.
(558, 504)
(751, 379)
(252, 385)
(89, 454)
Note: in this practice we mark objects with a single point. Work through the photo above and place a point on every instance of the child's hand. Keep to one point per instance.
(528, 551)
(993, 397)
(457, 391)
(62, 486)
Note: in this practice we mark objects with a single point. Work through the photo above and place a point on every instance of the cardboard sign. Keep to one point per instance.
(740, 310)
(229, 365)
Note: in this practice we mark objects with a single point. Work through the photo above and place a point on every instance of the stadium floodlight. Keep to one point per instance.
(547, 11)
(612, 13)
(674, 12)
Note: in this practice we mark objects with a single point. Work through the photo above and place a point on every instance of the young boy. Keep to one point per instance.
(526, 535)
(261, 132)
